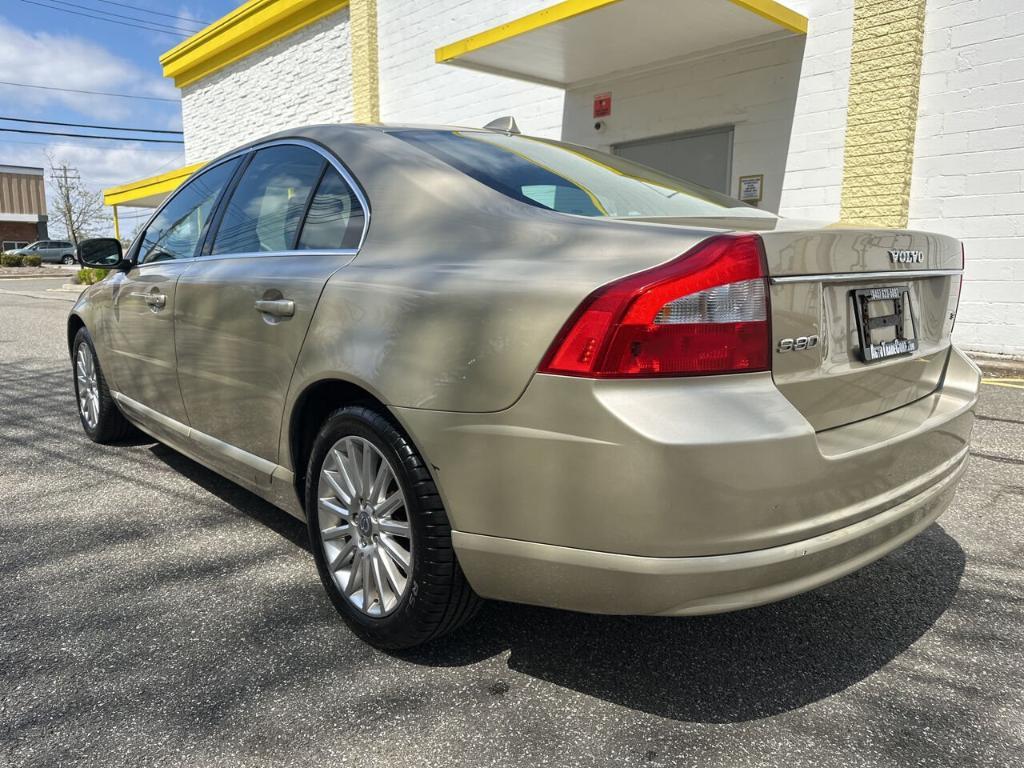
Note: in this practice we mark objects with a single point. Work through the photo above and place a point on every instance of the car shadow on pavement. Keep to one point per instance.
(236, 496)
(730, 667)
(715, 669)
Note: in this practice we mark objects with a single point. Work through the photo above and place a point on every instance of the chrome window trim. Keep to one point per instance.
(853, 277)
(325, 154)
(263, 254)
(334, 163)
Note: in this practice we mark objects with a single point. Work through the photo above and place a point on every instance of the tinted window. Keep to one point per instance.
(571, 179)
(63, 244)
(176, 231)
(335, 218)
(264, 211)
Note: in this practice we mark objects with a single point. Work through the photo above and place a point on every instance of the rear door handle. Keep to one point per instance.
(154, 300)
(276, 307)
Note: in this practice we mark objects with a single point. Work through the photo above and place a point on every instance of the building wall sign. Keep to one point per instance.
(752, 188)
(602, 105)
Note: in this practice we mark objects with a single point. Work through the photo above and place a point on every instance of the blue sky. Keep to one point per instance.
(50, 46)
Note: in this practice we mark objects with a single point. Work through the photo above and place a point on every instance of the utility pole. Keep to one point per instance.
(79, 208)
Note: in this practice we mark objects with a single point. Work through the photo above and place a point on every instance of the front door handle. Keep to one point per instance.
(276, 307)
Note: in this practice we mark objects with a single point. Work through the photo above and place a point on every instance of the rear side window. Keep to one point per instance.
(335, 217)
(571, 179)
(265, 210)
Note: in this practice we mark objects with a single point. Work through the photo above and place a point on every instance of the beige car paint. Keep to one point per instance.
(443, 317)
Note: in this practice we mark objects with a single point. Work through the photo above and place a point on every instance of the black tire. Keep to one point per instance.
(111, 426)
(439, 599)
(67, 259)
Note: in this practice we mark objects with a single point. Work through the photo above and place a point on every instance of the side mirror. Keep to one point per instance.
(102, 252)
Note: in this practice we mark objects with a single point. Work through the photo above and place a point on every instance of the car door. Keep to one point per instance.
(140, 331)
(243, 308)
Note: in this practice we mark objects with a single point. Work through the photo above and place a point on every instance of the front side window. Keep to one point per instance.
(335, 217)
(177, 230)
(571, 179)
(265, 210)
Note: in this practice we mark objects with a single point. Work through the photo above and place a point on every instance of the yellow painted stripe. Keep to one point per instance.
(536, 20)
(164, 183)
(766, 9)
(1004, 383)
(250, 27)
(776, 13)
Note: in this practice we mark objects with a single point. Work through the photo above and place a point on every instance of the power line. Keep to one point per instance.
(87, 125)
(155, 13)
(151, 150)
(90, 93)
(91, 136)
(113, 15)
(101, 18)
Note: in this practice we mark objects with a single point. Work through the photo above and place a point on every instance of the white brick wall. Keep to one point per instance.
(814, 167)
(753, 88)
(415, 89)
(304, 78)
(969, 160)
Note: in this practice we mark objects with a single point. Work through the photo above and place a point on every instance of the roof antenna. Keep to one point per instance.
(505, 124)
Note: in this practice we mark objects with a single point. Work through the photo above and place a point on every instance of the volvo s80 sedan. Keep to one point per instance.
(481, 365)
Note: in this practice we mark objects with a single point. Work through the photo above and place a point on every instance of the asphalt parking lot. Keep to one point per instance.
(154, 614)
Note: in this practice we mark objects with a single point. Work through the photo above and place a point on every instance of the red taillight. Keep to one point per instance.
(704, 312)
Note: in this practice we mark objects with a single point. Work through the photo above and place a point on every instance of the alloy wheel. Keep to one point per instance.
(88, 387)
(364, 526)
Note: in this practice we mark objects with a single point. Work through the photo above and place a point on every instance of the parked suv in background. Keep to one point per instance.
(50, 251)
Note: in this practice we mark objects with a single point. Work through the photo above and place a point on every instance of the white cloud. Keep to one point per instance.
(100, 167)
(65, 61)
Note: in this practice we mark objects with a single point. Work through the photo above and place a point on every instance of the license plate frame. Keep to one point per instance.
(874, 350)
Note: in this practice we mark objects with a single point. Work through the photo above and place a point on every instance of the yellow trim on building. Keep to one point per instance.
(365, 70)
(536, 20)
(162, 184)
(766, 9)
(775, 13)
(881, 121)
(250, 27)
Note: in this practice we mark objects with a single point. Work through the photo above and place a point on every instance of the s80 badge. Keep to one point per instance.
(799, 344)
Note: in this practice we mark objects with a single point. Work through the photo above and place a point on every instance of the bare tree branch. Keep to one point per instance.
(75, 207)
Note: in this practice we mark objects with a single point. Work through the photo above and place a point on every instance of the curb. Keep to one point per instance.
(998, 367)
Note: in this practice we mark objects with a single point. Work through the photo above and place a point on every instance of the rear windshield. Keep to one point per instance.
(572, 179)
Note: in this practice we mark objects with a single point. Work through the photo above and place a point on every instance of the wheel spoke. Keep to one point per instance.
(337, 532)
(343, 553)
(366, 470)
(394, 577)
(355, 574)
(390, 505)
(345, 470)
(326, 505)
(377, 581)
(394, 527)
(343, 495)
(380, 482)
(367, 578)
(396, 551)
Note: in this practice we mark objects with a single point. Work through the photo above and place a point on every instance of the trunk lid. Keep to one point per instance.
(861, 318)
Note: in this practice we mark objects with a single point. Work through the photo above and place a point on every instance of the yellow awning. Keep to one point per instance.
(580, 41)
(148, 192)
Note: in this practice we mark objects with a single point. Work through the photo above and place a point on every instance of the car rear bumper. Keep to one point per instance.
(686, 495)
(603, 582)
